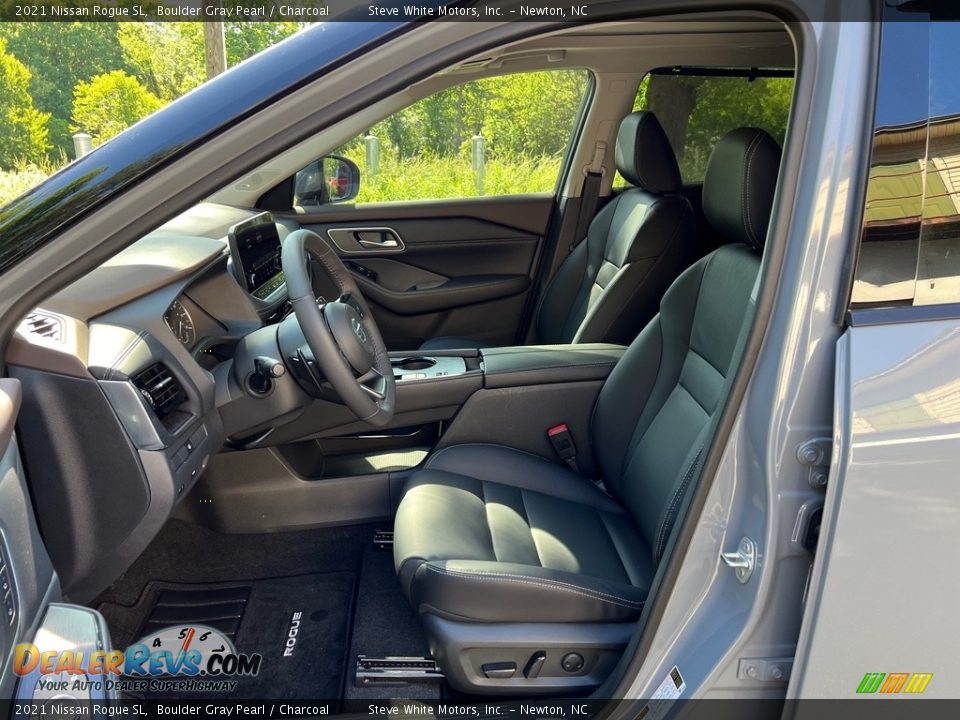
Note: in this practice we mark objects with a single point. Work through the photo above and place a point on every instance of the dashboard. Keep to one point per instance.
(135, 347)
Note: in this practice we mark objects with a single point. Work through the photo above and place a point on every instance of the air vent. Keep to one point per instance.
(43, 325)
(160, 389)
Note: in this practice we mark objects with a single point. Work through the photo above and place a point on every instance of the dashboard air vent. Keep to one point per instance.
(160, 389)
(43, 325)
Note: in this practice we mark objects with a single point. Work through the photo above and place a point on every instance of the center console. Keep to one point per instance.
(420, 367)
(520, 392)
(511, 366)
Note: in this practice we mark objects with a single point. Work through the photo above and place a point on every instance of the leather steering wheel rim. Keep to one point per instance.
(342, 334)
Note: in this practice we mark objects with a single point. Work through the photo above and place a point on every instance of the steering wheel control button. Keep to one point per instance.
(572, 662)
(535, 665)
(499, 670)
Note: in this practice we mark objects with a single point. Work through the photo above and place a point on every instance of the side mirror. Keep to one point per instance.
(330, 179)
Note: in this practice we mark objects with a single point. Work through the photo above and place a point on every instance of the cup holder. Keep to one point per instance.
(413, 364)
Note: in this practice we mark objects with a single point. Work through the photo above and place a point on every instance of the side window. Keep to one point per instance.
(505, 135)
(696, 110)
(910, 242)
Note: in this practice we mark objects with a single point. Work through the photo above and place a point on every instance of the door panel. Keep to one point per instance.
(458, 267)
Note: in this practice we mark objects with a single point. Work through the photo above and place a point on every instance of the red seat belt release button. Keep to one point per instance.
(562, 442)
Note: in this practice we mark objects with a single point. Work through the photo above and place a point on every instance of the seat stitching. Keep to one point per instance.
(616, 546)
(486, 515)
(747, 158)
(637, 163)
(526, 517)
(661, 539)
(540, 582)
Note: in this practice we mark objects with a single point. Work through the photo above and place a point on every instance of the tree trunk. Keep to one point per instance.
(214, 48)
(672, 99)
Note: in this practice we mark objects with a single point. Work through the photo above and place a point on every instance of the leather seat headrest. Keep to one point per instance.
(739, 184)
(644, 156)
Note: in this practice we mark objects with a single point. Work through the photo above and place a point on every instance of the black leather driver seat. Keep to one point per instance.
(609, 287)
(506, 554)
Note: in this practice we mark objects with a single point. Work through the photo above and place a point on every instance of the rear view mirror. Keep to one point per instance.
(330, 179)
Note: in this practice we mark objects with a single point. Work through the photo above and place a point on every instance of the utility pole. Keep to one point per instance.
(214, 48)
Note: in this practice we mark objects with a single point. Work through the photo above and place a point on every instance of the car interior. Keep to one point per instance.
(453, 437)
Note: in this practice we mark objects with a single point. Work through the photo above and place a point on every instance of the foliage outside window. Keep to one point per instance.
(59, 78)
(427, 151)
(696, 111)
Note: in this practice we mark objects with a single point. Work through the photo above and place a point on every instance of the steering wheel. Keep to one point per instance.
(342, 334)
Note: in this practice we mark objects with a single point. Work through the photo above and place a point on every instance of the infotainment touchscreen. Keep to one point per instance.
(255, 247)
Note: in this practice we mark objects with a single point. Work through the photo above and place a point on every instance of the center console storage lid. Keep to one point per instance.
(542, 364)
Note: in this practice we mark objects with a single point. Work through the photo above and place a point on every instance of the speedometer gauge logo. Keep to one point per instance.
(188, 650)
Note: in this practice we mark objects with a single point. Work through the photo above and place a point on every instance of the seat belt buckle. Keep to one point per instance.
(562, 442)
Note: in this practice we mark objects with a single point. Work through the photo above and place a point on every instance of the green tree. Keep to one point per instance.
(23, 129)
(167, 57)
(59, 55)
(245, 39)
(518, 125)
(110, 103)
(696, 111)
(499, 108)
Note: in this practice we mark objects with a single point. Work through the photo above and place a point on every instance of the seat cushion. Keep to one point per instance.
(454, 343)
(486, 533)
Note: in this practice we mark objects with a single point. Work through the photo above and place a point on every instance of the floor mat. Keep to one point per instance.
(257, 615)
(386, 624)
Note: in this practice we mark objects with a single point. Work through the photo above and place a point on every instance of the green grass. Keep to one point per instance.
(436, 178)
(23, 176)
(423, 178)
(14, 183)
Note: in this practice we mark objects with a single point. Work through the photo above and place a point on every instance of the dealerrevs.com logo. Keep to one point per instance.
(176, 658)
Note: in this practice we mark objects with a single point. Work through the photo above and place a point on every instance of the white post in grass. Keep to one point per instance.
(371, 151)
(477, 145)
(82, 144)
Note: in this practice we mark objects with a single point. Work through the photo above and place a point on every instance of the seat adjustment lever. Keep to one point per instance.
(535, 665)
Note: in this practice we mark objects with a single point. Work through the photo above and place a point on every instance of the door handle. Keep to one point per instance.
(383, 241)
(366, 239)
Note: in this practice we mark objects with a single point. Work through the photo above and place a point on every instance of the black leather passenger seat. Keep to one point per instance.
(610, 286)
(535, 554)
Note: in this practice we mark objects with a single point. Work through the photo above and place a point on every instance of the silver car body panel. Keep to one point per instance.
(883, 597)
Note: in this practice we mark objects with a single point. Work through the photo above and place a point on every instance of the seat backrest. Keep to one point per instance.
(610, 285)
(653, 414)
